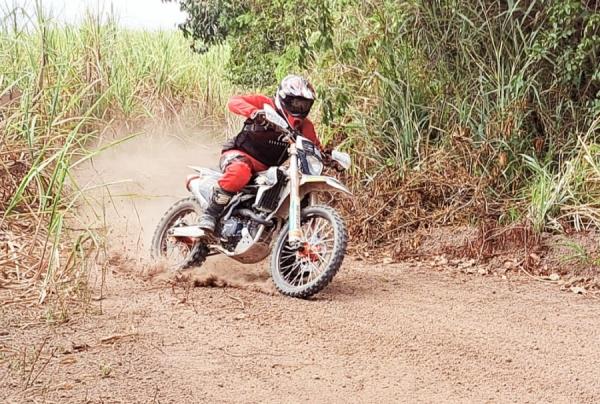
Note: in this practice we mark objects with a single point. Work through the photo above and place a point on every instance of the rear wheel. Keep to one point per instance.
(302, 273)
(178, 254)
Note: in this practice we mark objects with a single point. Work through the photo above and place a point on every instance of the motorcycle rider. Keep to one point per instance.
(258, 146)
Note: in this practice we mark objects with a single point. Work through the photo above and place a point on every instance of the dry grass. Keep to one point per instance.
(33, 263)
(434, 195)
(59, 87)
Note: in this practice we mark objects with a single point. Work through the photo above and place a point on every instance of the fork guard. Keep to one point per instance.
(310, 184)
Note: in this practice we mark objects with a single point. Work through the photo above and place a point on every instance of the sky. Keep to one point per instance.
(147, 14)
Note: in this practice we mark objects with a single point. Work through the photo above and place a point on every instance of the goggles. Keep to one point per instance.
(298, 106)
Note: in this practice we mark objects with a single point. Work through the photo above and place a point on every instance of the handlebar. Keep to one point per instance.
(288, 135)
(330, 162)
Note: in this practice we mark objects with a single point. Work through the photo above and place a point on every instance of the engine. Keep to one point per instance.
(233, 230)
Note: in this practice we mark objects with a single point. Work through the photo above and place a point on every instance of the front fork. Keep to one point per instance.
(295, 235)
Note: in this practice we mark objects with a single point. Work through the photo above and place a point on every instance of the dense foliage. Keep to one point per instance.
(505, 90)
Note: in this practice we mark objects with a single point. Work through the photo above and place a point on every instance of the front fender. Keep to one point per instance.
(322, 183)
(309, 184)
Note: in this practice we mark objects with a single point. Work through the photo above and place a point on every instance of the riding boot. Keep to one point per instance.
(218, 201)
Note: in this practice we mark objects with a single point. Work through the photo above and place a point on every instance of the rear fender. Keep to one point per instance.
(309, 184)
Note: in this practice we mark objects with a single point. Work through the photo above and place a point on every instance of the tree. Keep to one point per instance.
(268, 39)
(209, 21)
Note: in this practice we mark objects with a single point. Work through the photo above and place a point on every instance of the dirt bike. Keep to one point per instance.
(277, 214)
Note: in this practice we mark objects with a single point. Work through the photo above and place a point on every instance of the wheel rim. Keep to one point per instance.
(177, 253)
(299, 269)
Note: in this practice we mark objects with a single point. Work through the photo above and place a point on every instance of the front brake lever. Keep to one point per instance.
(288, 136)
(284, 137)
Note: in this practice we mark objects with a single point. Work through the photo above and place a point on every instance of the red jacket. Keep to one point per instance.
(246, 105)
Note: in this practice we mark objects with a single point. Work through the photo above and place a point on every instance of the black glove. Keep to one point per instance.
(326, 156)
(329, 161)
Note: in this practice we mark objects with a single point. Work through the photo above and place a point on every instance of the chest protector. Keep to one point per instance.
(261, 142)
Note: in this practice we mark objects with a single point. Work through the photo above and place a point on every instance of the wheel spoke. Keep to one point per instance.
(324, 242)
(322, 226)
(301, 269)
(318, 271)
(175, 252)
(310, 228)
(323, 260)
(296, 277)
(285, 256)
(326, 233)
(289, 268)
(313, 274)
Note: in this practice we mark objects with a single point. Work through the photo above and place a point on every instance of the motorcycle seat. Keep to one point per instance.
(210, 172)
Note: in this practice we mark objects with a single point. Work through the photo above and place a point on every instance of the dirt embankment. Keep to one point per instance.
(395, 332)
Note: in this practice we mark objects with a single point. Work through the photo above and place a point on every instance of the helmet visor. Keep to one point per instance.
(298, 106)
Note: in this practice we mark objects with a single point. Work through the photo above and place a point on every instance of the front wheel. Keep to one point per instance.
(303, 272)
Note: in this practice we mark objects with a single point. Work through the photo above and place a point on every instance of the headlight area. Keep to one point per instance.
(315, 165)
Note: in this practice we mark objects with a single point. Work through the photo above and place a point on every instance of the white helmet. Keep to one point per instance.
(295, 95)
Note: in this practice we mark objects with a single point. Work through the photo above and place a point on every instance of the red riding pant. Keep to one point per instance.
(238, 168)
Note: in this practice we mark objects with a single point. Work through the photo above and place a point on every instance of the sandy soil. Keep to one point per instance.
(405, 332)
(379, 333)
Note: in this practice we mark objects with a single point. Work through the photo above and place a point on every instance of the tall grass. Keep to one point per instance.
(468, 91)
(60, 85)
(571, 194)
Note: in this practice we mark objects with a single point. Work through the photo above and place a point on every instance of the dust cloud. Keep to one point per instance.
(135, 182)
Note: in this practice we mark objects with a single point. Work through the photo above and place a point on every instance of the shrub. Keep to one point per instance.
(484, 82)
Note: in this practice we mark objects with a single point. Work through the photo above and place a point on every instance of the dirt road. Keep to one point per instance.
(380, 333)
(393, 333)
